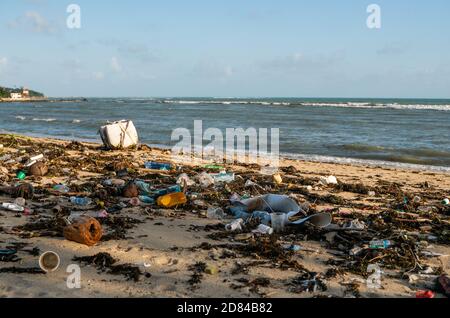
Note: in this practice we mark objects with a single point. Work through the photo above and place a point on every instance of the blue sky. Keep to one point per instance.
(285, 48)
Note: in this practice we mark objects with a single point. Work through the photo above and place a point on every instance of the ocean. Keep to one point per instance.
(387, 132)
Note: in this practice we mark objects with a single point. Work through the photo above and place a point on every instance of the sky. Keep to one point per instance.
(232, 48)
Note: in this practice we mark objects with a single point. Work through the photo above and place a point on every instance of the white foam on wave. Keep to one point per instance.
(21, 117)
(365, 162)
(76, 121)
(366, 105)
(381, 106)
(44, 119)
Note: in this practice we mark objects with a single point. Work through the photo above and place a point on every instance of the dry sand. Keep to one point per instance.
(165, 239)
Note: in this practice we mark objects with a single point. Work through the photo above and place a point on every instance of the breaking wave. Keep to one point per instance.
(368, 105)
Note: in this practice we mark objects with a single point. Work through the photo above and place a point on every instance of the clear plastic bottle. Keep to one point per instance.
(380, 244)
(80, 201)
(61, 188)
(13, 207)
(224, 177)
(158, 166)
(146, 199)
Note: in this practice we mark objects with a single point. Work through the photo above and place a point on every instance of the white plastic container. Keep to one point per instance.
(119, 135)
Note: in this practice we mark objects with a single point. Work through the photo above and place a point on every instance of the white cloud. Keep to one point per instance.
(98, 76)
(33, 21)
(115, 65)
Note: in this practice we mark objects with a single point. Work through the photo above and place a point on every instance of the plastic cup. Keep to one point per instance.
(279, 221)
(49, 262)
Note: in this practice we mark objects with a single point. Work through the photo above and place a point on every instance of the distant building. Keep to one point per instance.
(16, 96)
(25, 93)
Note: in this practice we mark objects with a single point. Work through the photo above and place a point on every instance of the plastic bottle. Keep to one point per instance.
(213, 167)
(172, 200)
(21, 175)
(12, 207)
(143, 186)
(236, 225)
(61, 188)
(263, 229)
(173, 189)
(380, 244)
(80, 201)
(146, 199)
(223, 177)
(158, 166)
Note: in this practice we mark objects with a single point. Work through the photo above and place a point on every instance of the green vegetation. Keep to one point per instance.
(5, 92)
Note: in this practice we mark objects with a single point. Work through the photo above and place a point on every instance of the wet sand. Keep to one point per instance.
(176, 244)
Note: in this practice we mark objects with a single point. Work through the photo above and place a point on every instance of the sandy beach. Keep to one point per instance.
(177, 251)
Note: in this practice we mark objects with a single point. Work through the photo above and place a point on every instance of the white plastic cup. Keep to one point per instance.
(279, 221)
(49, 262)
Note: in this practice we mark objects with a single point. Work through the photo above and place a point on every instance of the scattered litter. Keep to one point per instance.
(61, 188)
(12, 207)
(34, 160)
(49, 261)
(215, 213)
(328, 180)
(211, 270)
(119, 135)
(425, 294)
(184, 180)
(84, 230)
(234, 226)
(263, 229)
(38, 169)
(158, 166)
(80, 201)
(205, 180)
(172, 200)
(277, 179)
(377, 244)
